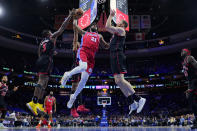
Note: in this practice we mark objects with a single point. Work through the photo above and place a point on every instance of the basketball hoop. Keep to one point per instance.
(101, 1)
(104, 103)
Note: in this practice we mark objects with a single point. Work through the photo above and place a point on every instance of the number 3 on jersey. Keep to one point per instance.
(93, 39)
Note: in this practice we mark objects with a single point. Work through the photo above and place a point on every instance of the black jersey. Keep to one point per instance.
(189, 71)
(3, 89)
(117, 43)
(47, 47)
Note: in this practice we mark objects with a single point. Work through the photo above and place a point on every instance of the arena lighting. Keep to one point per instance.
(1, 11)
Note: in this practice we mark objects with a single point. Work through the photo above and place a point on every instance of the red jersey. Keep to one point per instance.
(91, 41)
(49, 101)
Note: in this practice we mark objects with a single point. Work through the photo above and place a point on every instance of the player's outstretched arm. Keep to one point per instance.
(104, 43)
(192, 60)
(111, 28)
(45, 100)
(75, 39)
(64, 24)
(80, 31)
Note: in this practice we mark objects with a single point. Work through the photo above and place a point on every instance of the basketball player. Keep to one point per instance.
(45, 64)
(190, 71)
(118, 63)
(76, 78)
(3, 91)
(86, 54)
(48, 108)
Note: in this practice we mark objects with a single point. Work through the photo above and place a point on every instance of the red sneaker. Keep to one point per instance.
(49, 126)
(74, 113)
(82, 108)
(38, 126)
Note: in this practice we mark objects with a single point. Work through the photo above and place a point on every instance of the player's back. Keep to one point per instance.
(46, 47)
(90, 41)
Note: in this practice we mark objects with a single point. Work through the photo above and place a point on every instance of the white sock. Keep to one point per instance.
(82, 67)
(82, 83)
(49, 123)
(40, 122)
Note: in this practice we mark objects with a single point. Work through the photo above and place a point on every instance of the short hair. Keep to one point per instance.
(45, 33)
(125, 23)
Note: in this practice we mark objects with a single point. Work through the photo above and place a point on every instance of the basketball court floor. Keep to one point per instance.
(104, 129)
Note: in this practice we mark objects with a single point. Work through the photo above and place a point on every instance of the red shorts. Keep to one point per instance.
(48, 110)
(85, 55)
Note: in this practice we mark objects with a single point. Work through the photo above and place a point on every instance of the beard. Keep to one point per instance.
(93, 29)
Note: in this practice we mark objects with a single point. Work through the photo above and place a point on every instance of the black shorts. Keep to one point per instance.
(193, 85)
(2, 103)
(44, 65)
(118, 62)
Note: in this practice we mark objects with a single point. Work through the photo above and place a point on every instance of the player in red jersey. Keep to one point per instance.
(86, 54)
(49, 102)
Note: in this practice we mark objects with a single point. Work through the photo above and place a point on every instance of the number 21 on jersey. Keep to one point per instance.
(93, 39)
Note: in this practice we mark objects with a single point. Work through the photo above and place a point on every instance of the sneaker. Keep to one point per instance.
(40, 107)
(38, 126)
(82, 108)
(65, 78)
(32, 107)
(2, 126)
(133, 107)
(141, 104)
(71, 101)
(74, 113)
(49, 126)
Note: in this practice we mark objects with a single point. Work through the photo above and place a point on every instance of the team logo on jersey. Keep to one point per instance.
(90, 70)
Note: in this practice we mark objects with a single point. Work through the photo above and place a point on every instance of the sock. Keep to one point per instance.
(49, 123)
(136, 97)
(130, 100)
(81, 85)
(35, 99)
(40, 122)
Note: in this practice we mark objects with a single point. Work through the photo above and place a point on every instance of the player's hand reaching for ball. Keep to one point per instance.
(112, 13)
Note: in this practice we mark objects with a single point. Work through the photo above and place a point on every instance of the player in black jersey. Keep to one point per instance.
(118, 63)
(190, 71)
(44, 64)
(3, 92)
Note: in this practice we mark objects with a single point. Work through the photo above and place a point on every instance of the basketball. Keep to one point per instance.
(78, 13)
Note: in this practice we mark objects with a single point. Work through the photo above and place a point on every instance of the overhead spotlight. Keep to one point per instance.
(1, 11)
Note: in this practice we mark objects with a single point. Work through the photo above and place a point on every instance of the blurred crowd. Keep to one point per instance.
(16, 119)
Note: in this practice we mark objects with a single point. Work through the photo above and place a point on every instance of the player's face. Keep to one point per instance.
(183, 53)
(5, 79)
(51, 93)
(93, 28)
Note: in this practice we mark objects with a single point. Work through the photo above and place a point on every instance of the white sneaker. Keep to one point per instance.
(133, 107)
(71, 101)
(65, 78)
(141, 103)
(2, 126)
